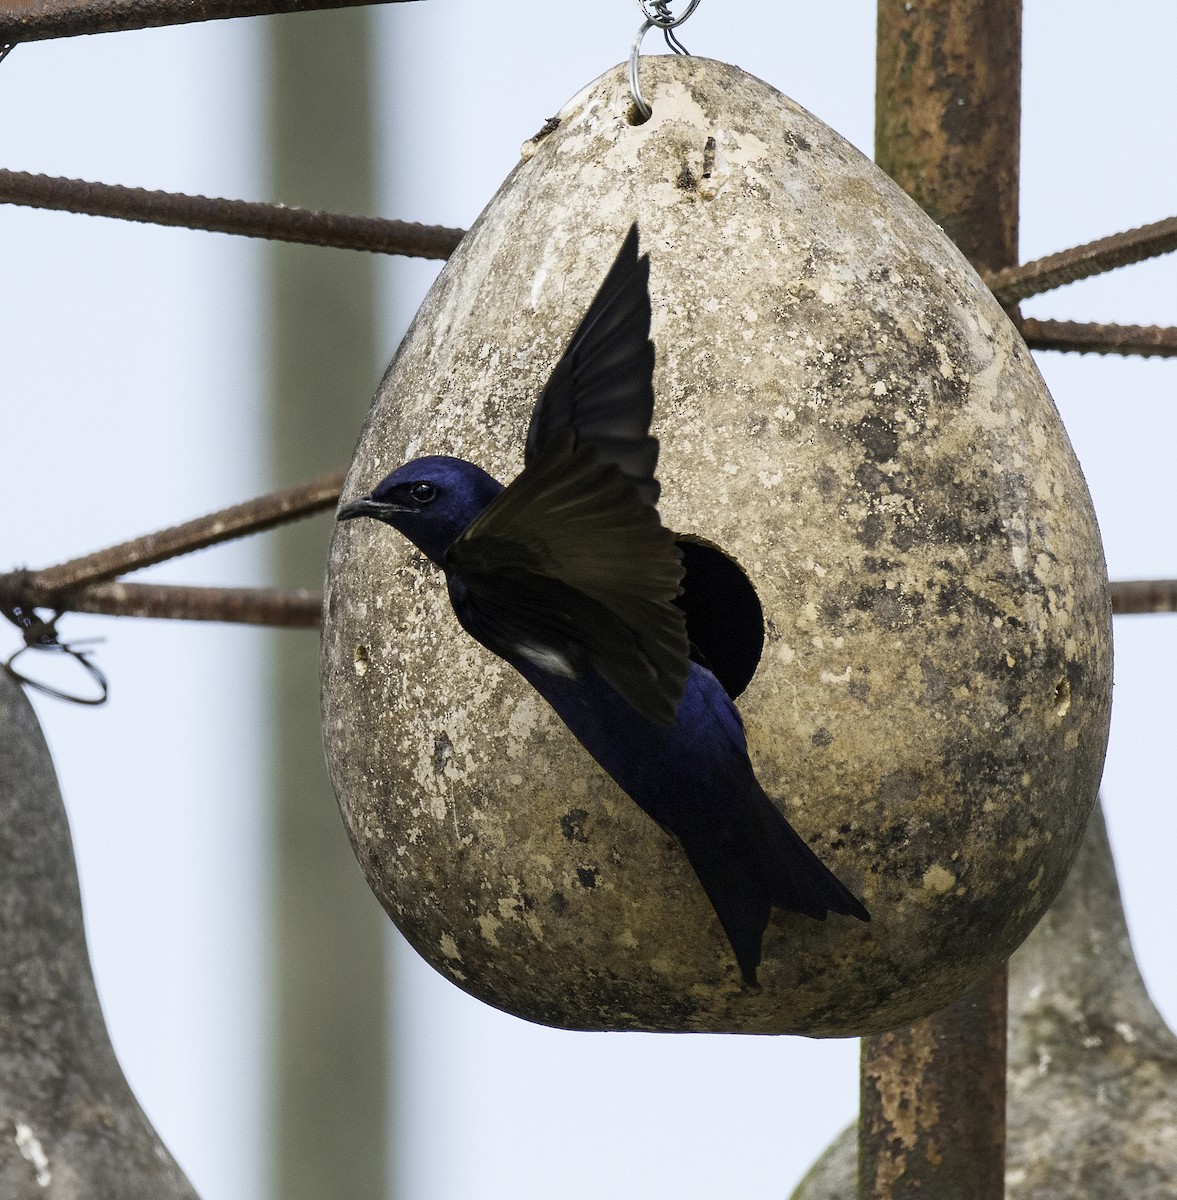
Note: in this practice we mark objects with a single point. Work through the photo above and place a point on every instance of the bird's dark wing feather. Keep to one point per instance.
(602, 388)
(567, 561)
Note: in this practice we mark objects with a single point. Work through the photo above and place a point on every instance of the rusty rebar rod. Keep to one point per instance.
(1012, 284)
(253, 516)
(278, 608)
(947, 129)
(245, 217)
(36, 20)
(1132, 597)
(1153, 341)
(384, 236)
(85, 584)
(300, 608)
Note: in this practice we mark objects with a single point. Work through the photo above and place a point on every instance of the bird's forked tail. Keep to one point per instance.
(759, 862)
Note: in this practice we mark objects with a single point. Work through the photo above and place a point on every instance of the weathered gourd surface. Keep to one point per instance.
(846, 410)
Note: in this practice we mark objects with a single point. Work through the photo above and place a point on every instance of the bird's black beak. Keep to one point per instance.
(365, 506)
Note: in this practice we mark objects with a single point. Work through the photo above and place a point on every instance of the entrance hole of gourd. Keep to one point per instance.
(725, 621)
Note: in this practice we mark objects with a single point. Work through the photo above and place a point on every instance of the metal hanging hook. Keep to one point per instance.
(657, 16)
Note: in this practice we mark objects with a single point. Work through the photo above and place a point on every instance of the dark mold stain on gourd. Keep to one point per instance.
(572, 824)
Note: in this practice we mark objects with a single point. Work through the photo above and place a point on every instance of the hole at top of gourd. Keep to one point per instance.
(725, 621)
(635, 116)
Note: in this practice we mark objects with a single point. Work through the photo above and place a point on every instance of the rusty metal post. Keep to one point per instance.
(932, 1117)
(948, 117)
(948, 113)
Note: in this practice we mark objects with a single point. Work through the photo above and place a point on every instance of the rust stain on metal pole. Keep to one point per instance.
(947, 129)
(35, 20)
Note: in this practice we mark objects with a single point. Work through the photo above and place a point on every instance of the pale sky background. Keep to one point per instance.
(132, 394)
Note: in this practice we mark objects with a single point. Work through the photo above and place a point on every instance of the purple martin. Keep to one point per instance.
(568, 574)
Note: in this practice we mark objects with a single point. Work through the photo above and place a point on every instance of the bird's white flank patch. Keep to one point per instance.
(546, 658)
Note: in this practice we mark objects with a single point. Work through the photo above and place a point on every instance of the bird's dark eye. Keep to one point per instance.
(423, 492)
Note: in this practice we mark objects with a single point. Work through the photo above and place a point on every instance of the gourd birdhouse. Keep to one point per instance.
(845, 410)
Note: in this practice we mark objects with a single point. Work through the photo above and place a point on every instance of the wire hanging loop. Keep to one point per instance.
(658, 16)
(42, 635)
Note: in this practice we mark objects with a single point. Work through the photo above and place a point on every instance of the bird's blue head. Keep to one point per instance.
(430, 500)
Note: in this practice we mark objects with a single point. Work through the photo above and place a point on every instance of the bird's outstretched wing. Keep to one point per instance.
(568, 569)
(601, 391)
